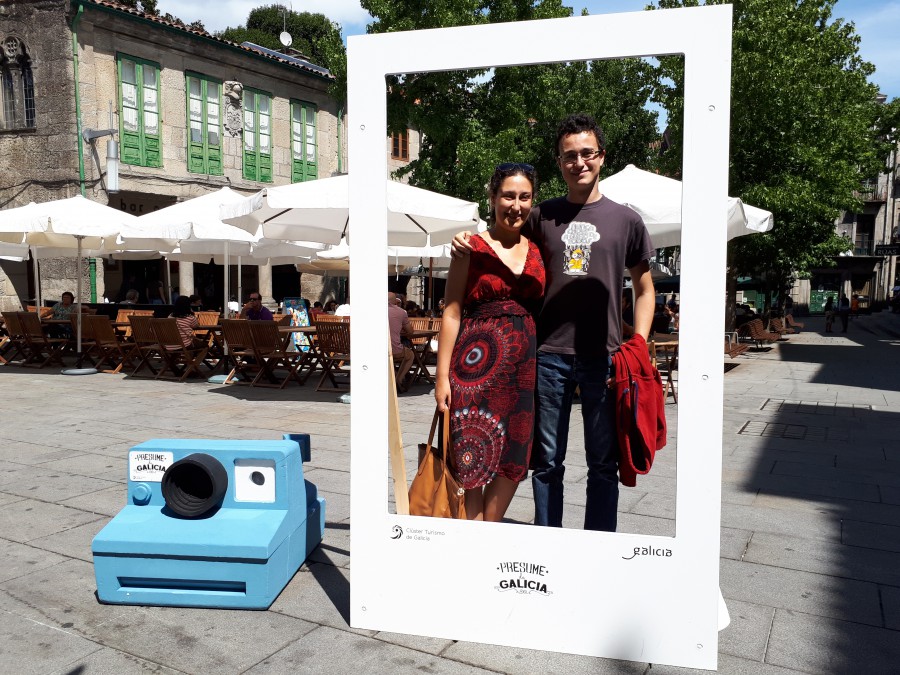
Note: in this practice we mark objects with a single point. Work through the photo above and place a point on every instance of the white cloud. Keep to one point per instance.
(219, 14)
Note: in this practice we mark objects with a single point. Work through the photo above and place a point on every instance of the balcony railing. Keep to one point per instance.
(871, 192)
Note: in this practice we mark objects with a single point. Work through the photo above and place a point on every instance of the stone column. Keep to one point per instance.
(186, 278)
(265, 285)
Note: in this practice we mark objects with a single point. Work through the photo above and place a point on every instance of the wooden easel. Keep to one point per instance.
(395, 444)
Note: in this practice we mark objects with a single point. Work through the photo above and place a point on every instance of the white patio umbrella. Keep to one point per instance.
(657, 200)
(319, 211)
(75, 222)
(194, 232)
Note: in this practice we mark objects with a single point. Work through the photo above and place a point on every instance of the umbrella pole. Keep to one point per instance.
(225, 282)
(431, 284)
(39, 300)
(78, 288)
(78, 370)
(240, 288)
(169, 279)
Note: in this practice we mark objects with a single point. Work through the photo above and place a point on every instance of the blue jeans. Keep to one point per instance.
(557, 377)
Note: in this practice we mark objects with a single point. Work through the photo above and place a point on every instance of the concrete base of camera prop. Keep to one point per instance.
(210, 524)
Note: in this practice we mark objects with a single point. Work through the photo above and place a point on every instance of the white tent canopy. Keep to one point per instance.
(319, 211)
(657, 200)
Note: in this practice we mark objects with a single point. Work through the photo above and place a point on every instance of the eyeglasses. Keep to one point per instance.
(513, 166)
(586, 156)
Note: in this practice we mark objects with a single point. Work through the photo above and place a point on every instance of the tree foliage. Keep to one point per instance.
(803, 129)
(150, 7)
(472, 120)
(313, 35)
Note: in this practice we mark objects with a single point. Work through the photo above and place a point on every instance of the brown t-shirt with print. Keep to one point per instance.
(586, 249)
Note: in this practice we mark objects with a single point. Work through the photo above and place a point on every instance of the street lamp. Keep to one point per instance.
(112, 156)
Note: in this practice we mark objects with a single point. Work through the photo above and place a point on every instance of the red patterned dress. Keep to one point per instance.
(492, 370)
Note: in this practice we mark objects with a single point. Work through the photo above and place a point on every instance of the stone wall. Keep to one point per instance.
(39, 164)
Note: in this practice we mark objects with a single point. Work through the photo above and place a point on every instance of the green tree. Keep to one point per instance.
(313, 35)
(803, 129)
(472, 120)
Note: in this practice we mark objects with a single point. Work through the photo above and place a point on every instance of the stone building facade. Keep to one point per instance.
(192, 113)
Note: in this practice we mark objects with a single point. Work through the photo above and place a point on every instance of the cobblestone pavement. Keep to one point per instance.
(810, 547)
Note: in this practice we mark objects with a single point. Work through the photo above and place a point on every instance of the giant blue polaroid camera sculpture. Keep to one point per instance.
(210, 524)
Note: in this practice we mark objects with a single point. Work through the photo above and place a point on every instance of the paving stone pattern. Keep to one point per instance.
(810, 559)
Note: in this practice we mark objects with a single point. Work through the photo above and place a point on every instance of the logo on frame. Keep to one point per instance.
(524, 578)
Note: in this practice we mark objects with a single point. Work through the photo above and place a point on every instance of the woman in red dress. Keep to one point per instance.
(487, 348)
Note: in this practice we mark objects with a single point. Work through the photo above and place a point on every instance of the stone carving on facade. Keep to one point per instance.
(12, 48)
(234, 117)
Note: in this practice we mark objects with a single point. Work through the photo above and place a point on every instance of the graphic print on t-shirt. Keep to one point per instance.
(578, 238)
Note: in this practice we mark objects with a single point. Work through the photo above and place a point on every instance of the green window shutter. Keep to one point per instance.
(139, 112)
(257, 136)
(214, 164)
(131, 147)
(204, 124)
(304, 153)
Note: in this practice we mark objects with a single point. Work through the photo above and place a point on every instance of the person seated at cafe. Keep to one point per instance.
(196, 303)
(330, 306)
(672, 313)
(343, 310)
(185, 320)
(254, 310)
(131, 297)
(316, 310)
(400, 328)
(65, 307)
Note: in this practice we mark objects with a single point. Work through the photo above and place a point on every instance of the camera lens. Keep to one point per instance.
(195, 485)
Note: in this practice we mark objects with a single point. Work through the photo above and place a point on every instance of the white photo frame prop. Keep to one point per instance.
(641, 598)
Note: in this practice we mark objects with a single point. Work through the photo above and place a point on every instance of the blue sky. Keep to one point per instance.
(877, 22)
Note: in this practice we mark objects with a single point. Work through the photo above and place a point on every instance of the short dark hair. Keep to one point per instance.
(578, 123)
(182, 307)
(69, 293)
(507, 170)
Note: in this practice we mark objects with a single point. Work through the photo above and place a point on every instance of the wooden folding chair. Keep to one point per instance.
(108, 347)
(15, 337)
(270, 353)
(178, 358)
(145, 342)
(334, 354)
(207, 318)
(40, 346)
(44, 313)
(239, 341)
(282, 319)
(88, 343)
(421, 347)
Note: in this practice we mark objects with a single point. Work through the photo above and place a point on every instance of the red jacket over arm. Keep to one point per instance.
(640, 409)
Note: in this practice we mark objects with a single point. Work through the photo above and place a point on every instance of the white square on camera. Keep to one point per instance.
(254, 480)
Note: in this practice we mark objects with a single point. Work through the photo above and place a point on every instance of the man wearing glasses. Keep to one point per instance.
(586, 241)
(254, 309)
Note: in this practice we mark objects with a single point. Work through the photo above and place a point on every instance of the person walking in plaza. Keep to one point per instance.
(254, 309)
(829, 313)
(586, 241)
(486, 349)
(844, 312)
